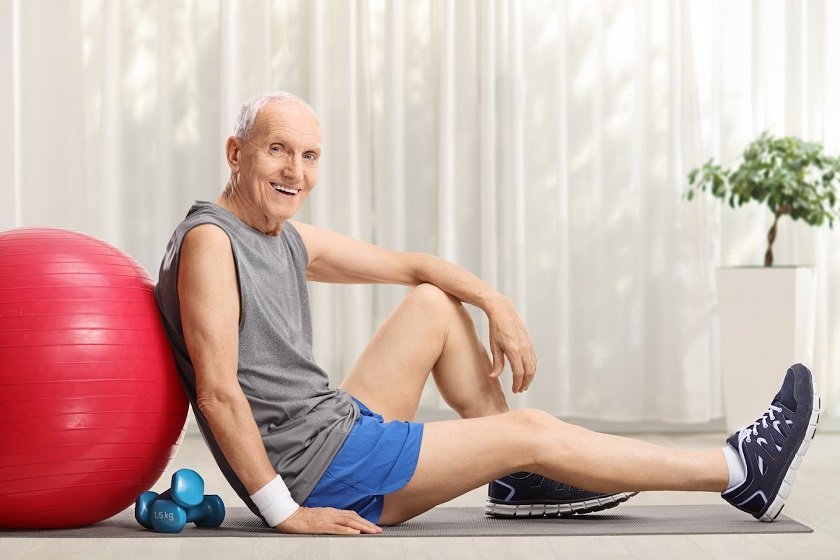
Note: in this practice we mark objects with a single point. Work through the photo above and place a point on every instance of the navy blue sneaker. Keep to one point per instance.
(772, 448)
(525, 494)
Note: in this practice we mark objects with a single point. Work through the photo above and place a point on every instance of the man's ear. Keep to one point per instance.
(232, 153)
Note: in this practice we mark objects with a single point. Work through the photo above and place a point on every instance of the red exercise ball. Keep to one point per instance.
(91, 407)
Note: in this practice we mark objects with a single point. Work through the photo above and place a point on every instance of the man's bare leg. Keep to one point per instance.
(461, 455)
(429, 331)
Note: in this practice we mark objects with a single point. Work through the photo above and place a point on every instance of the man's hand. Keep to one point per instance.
(327, 521)
(509, 337)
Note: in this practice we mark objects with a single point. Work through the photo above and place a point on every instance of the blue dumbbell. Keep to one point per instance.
(168, 517)
(143, 507)
(186, 490)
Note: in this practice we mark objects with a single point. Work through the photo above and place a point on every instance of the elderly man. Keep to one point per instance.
(310, 459)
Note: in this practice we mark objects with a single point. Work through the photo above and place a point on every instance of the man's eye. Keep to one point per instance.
(275, 149)
(310, 157)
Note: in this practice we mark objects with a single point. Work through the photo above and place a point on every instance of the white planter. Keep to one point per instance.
(767, 322)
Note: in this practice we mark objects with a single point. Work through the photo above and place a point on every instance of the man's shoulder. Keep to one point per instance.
(206, 237)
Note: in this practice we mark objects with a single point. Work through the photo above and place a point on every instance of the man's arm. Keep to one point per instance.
(209, 298)
(340, 259)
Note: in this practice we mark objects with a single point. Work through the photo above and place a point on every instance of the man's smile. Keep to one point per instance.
(283, 189)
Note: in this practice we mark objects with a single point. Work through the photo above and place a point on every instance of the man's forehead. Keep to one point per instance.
(288, 117)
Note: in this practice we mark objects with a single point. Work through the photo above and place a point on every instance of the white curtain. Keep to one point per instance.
(543, 145)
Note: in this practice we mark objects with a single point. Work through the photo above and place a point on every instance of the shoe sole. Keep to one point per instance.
(775, 508)
(507, 510)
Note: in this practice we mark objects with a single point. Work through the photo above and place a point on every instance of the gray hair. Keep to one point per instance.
(248, 114)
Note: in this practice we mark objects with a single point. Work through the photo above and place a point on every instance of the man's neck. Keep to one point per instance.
(252, 218)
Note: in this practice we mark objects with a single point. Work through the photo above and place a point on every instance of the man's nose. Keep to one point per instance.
(294, 167)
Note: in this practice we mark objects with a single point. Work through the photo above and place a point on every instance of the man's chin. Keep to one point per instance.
(286, 212)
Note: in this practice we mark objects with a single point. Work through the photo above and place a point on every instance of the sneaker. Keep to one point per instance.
(772, 448)
(527, 494)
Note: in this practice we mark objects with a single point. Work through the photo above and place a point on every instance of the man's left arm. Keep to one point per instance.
(340, 259)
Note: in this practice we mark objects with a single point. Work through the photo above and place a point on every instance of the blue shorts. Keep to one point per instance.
(377, 458)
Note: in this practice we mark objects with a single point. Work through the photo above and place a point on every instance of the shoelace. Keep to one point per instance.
(750, 431)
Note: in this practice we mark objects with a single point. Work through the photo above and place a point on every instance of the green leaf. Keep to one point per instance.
(693, 175)
(787, 175)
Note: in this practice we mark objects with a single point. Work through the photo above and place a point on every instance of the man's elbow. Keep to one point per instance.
(217, 401)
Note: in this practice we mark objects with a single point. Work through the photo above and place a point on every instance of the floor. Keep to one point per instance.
(815, 501)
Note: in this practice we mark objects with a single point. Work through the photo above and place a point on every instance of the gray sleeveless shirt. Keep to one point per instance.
(303, 422)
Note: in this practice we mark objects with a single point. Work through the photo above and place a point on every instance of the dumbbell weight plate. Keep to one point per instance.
(167, 517)
(142, 508)
(187, 488)
(211, 512)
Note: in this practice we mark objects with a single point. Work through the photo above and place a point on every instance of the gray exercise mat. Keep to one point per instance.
(471, 522)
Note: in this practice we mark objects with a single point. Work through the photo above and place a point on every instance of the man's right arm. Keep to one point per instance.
(209, 299)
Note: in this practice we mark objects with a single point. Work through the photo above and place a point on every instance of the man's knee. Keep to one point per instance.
(531, 431)
(433, 297)
(534, 419)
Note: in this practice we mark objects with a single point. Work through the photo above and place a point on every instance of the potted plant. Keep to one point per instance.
(767, 314)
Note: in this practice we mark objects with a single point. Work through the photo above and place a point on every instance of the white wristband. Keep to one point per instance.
(274, 502)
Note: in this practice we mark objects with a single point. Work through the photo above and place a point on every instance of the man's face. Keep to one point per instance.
(278, 162)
